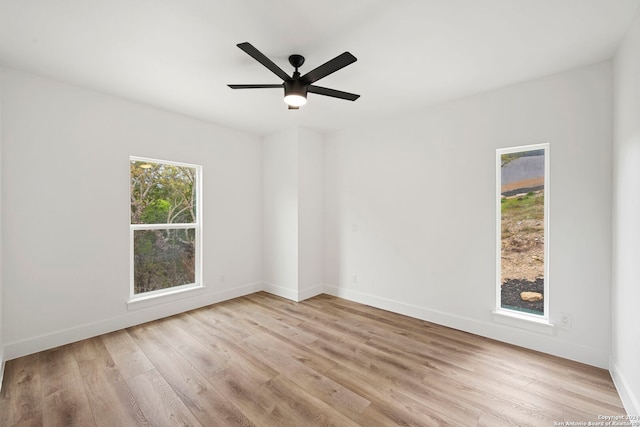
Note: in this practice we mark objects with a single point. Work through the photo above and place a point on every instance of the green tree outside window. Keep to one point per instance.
(164, 225)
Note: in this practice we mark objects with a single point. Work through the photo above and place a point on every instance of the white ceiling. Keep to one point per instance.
(179, 55)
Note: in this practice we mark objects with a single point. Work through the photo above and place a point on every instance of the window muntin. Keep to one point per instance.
(522, 230)
(165, 226)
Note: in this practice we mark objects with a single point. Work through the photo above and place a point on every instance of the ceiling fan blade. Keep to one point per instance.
(332, 92)
(261, 58)
(329, 67)
(256, 86)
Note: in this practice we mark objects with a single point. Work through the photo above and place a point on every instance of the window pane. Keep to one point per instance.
(162, 193)
(522, 231)
(163, 259)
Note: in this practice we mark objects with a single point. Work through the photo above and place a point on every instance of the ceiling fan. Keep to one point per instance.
(296, 86)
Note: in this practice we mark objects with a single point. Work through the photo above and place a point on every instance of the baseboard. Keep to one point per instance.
(310, 292)
(291, 294)
(500, 332)
(280, 291)
(629, 399)
(132, 318)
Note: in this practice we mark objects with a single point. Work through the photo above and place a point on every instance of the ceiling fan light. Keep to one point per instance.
(295, 100)
(295, 92)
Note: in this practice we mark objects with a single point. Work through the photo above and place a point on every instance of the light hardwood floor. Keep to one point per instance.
(265, 361)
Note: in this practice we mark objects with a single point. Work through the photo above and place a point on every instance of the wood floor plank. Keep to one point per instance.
(147, 337)
(89, 349)
(21, 398)
(113, 405)
(431, 406)
(297, 351)
(58, 367)
(224, 320)
(158, 402)
(64, 394)
(307, 409)
(388, 376)
(291, 309)
(261, 360)
(325, 389)
(253, 322)
(274, 322)
(594, 381)
(207, 362)
(67, 408)
(226, 348)
(464, 386)
(126, 355)
(254, 402)
(205, 402)
(383, 415)
(109, 397)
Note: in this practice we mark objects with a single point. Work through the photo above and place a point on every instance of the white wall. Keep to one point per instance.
(1, 225)
(66, 208)
(292, 182)
(625, 351)
(280, 201)
(310, 207)
(410, 209)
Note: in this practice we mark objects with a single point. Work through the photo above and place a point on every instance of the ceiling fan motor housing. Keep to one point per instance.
(295, 87)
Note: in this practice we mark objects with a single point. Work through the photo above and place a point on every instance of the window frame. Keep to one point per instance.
(537, 318)
(197, 226)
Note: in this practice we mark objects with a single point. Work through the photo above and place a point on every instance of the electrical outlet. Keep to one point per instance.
(354, 278)
(565, 320)
(222, 278)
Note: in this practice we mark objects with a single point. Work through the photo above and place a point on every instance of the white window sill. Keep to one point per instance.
(524, 321)
(162, 297)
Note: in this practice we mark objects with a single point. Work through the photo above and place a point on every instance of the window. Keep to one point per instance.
(523, 217)
(165, 226)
